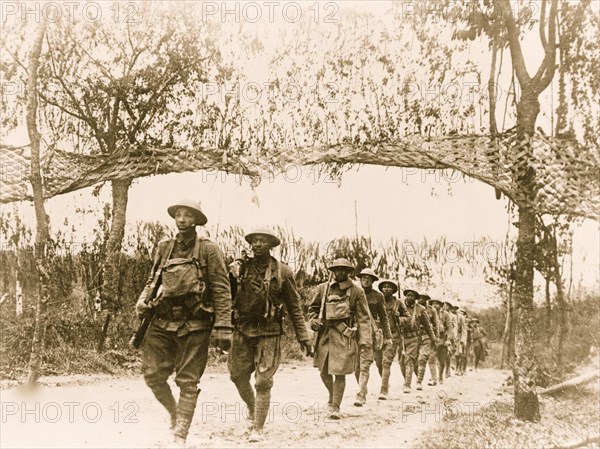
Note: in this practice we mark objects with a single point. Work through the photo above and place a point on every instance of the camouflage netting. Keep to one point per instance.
(567, 175)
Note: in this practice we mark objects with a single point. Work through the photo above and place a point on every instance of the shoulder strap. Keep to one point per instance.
(167, 255)
(197, 248)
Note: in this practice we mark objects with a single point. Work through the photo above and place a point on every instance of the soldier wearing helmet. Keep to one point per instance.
(340, 314)
(193, 297)
(265, 285)
(381, 326)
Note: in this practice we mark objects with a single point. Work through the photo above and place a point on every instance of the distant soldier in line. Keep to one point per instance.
(418, 336)
(193, 298)
(464, 341)
(380, 324)
(395, 309)
(461, 339)
(469, 347)
(479, 343)
(445, 335)
(450, 309)
(264, 286)
(340, 314)
(424, 300)
(428, 342)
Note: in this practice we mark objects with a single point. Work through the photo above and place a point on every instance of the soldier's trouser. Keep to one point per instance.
(389, 354)
(162, 352)
(411, 351)
(442, 355)
(433, 365)
(425, 351)
(335, 386)
(449, 354)
(459, 356)
(378, 357)
(260, 355)
(466, 356)
(362, 371)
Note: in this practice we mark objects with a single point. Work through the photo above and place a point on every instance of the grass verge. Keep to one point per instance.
(566, 417)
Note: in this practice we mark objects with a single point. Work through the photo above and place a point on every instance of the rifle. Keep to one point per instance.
(138, 336)
(316, 334)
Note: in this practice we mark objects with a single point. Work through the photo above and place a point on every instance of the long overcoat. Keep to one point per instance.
(335, 351)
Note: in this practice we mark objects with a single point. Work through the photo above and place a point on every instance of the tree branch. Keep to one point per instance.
(548, 67)
(543, 25)
(513, 42)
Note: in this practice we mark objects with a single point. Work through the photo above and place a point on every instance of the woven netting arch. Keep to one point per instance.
(567, 175)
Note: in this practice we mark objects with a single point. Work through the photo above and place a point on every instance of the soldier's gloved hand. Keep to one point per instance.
(142, 308)
(388, 342)
(223, 337)
(316, 325)
(307, 348)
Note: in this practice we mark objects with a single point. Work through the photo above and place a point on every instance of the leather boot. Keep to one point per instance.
(408, 373)
(421, 371)
(433, 371)
(339, 385)
(165, 397)
(361, 397)
(263, 401)
(185, 412)
(247, 394)
(385, 382)
(328, 382)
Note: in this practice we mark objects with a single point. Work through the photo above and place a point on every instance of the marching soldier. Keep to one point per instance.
(433, 317)
(479, 342)
(461, 339)
(265, 286)
(193, 298)
(416, 330)
(340, 314)
(445, 335)
(380, 325)
(469, 347)
(395, 309)
(451, 348)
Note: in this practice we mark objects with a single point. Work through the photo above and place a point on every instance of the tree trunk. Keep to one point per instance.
(508, 326)
(42, 232)
(548, 303)
(527, 407)
(562, 308)
(111, 291)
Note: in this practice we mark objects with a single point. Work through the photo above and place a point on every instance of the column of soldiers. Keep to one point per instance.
(188, 300)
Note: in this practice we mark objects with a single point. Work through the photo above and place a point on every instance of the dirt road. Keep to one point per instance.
(113, 412)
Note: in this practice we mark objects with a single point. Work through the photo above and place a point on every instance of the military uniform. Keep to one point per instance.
(461, 342)
(418, 338)
(432, 360)
(479, 343)
(263, 288)
(446, 335)
(178, 336)
(453, 341)
(338, 340)
(395, 309)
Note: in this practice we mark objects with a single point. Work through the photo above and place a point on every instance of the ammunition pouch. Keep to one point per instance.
(337, 308)
(181, 277)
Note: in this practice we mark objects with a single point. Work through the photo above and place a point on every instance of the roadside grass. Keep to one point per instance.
(566, 417)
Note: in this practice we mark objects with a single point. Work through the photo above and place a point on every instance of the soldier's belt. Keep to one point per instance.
(343, 328)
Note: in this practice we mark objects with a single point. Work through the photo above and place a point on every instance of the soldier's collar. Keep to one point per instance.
(187, 239)
(342, 285)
